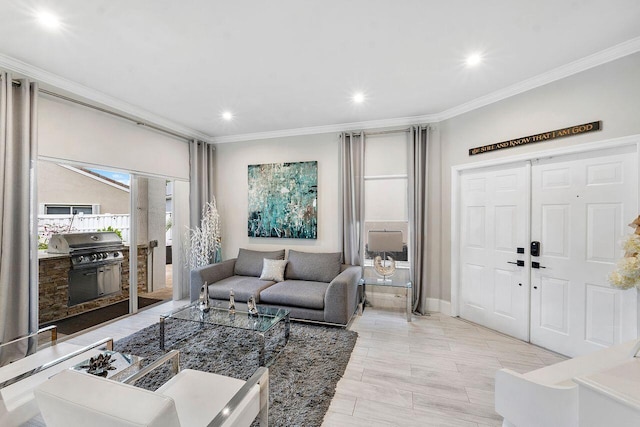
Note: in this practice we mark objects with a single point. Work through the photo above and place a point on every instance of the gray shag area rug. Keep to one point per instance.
(302, 375)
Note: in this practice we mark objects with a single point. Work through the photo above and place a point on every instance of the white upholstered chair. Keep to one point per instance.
(191, 398)
(20, 378)
(549, 396)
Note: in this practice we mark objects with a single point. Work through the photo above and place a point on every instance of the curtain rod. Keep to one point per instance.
(384, 132)
(17, 83)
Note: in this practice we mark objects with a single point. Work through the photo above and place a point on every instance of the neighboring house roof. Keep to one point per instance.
(98, 177)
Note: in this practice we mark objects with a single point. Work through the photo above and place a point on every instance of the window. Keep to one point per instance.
(385, 191)
(70, 209)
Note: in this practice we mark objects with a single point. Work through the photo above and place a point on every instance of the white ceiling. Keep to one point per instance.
(290, 64)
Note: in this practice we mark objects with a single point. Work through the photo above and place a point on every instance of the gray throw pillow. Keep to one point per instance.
(315, 267)
(249, 263)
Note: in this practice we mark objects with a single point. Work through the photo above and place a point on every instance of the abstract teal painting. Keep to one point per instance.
(283, 200)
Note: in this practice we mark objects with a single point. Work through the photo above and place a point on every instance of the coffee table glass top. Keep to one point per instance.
(266, 318)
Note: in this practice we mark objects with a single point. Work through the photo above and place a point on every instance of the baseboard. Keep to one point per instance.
(433, 304)
(445, 307)
(439, 306)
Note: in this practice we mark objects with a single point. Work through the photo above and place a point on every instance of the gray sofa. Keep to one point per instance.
(316, 286)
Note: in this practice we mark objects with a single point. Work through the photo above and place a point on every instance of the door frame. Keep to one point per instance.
(456, 171)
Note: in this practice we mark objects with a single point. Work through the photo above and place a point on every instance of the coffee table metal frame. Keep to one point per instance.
(266, 319)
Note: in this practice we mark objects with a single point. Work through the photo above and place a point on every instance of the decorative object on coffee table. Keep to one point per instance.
(232, 302)
(204, 304)
(99, 365)
(111, 365)
(251, 306)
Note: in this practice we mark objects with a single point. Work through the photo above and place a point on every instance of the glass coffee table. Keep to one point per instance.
(266, 320)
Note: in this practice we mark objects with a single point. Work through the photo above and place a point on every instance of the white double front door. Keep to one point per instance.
(577, 207)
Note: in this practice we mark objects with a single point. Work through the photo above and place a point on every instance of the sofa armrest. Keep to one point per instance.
(340, 300)
(209, 273)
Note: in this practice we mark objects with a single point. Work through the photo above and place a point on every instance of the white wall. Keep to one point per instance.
(231, 189)
(610, 92)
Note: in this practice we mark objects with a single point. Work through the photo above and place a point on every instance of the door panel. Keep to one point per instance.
(495, 222)
(553, 305)
(602, 222)
(555, 230)
(580, 207)
(604, 304)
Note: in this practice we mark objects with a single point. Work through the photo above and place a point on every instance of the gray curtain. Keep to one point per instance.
(418, 237)
(18, 275)
(352, 181)
(200, 179)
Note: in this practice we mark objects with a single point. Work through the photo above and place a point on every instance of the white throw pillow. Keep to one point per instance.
(273, 269)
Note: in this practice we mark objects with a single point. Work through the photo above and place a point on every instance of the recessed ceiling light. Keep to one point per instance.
(358, 97)
(474, 59)
(48, 20)
(227, 115)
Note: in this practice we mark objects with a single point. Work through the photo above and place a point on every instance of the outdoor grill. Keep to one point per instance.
(96, 263)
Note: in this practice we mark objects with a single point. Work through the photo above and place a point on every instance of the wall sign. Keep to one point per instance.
(541, 137)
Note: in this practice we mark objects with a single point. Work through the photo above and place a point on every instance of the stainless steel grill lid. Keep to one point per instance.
(68, 243)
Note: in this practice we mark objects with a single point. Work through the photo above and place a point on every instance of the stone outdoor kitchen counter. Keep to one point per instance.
(53, 270)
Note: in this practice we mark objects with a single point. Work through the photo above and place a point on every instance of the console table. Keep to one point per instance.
(390, 283)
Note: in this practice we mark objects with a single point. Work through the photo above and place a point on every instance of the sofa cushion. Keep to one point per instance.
(296, 293)
(249, 263)
(243, 287)
(273, 269)
(316, 267)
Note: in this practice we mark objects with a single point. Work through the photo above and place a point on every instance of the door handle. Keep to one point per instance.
(519, 263)
(535, 264)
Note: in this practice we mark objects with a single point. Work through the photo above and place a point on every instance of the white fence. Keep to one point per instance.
(51, 224)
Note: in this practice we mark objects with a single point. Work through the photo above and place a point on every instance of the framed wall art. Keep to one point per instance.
(283, 200)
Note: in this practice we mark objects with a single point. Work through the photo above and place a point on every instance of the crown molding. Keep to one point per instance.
(97, 98)
(341, 127)
(599, 58)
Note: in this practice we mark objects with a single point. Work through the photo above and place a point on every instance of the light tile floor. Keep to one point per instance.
(435, 371)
